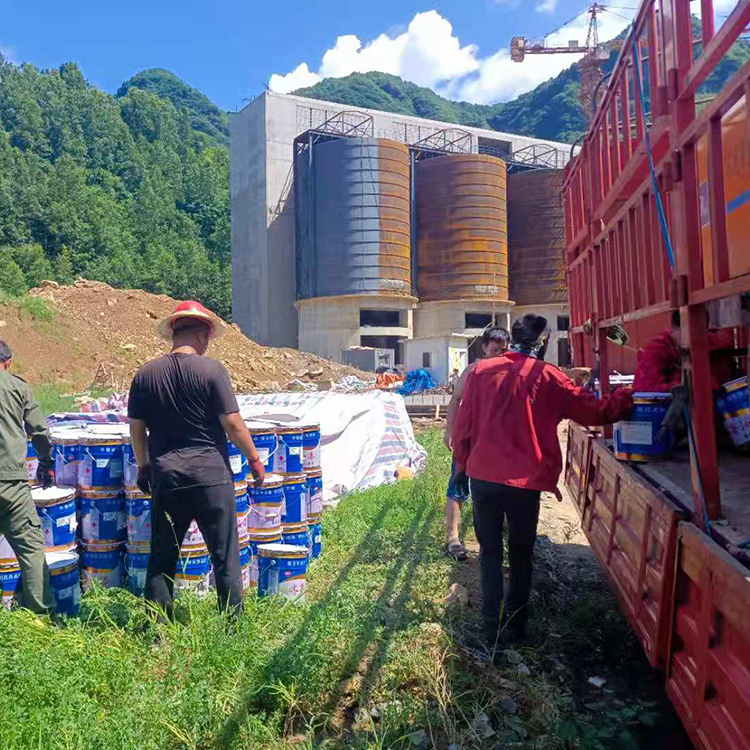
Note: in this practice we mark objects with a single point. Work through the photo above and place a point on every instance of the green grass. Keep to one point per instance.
(53, 398)
(36, 308)
(369, 660)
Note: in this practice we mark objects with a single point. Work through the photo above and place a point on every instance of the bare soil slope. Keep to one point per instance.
(100, 336)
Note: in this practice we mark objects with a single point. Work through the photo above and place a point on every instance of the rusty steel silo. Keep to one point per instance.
(537, 237)
(355, 215)
(462, 246)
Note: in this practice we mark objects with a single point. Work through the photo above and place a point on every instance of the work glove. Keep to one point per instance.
(144, 479)
(258, 470)
(45, 476)
(674, 423)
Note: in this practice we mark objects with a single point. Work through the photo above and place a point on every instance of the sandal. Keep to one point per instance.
(456, 551)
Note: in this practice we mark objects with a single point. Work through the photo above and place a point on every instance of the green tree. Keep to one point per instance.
(12, 280)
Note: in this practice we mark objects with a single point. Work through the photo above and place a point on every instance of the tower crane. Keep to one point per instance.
(591, 64)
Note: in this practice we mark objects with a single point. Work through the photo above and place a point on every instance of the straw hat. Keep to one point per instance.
(194, 310)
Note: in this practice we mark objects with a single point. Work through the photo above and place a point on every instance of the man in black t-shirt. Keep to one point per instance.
(182, 408)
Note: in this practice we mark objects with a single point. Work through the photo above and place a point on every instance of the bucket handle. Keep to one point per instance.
(266, 514)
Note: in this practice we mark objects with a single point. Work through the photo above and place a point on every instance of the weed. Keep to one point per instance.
(36, 308)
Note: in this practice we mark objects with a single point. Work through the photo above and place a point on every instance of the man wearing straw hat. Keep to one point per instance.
(20, 416)
(182, 408)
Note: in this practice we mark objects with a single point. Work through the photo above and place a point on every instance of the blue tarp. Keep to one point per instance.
(417, 381)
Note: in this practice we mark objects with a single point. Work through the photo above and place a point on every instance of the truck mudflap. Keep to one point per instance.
(632, 529)
(708, 670)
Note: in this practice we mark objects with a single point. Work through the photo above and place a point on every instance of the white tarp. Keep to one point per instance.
(364, 436)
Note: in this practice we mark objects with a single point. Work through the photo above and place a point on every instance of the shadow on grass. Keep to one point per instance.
(291, 660)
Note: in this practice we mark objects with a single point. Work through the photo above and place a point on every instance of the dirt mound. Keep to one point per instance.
(99, 336)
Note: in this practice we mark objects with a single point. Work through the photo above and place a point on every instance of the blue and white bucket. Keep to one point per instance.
(245, 567)
(289, 455)
(103, 563)
(32, 462)
(138, 513)
(311, 447)
(136, 566)
(255, 539)
(314, 491)
(282, 570)
(734, 405)
(296, 535)
(265, 442)
(636, 438)
(7, 555)
(238, 462)
(241, 506)
(56, 508)
(193, 572)
(316, 540)
(129, 467)
(295, 499)
(265, 504)
(10, 576)
(193, 541)
(64, 580)
(101, 465)
(103, 517)
(66, 450)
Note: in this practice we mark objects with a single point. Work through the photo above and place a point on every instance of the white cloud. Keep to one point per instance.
(8, 53)
(429, 54)
(547, 6)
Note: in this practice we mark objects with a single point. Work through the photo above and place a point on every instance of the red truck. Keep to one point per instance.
(655, 210)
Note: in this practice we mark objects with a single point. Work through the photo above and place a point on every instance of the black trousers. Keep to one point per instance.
(491, 503)
(214, 509)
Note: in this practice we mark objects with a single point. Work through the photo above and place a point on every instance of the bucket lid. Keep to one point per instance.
(52, 495)
(311, 427)
(294, 528)
(66, 436)
(136, 495)
(652, 396)
(281, 550)
(294, 479)
(96, 545)
(259, 427)
(264, 535)
(733, 385)
(270, 482)
(289, 430)
(100, 494)
(313, 473)
(56, 560)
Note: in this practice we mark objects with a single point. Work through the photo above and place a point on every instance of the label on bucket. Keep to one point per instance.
(739, 429)
(236, 463)
(638, 433)
(263, 455)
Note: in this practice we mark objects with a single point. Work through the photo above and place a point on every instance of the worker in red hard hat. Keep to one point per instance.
(182, 408)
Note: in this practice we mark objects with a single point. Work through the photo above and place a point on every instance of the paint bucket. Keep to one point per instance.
(138, 513)
(32, 462)
(103, 563)
(635, 438)
(289, 455)
(136, 566)
(265, 504)
(314, 491)
(10, 577)
(245, 567)
(265, 442)
(56, 508)
(316, 540)
(193, 571)
(101, 465)
(241, 504)
(193, 541)
(296, 535)
(282, 569)
(129, 466)
(295, 499)
(734, 406)
(64, 580)
(7, 555)
(103, 518)
(311, 446)
(66, 450)
(255, 539)
(238, 462)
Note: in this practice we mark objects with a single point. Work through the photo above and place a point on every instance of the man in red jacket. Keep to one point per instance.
(505, 437)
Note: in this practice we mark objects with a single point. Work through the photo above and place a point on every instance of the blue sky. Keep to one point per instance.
(229, 49)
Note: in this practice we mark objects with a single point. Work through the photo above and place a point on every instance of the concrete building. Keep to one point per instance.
(278, 301)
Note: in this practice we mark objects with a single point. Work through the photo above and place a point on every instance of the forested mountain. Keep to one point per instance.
(122, 190)
(204, 115)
